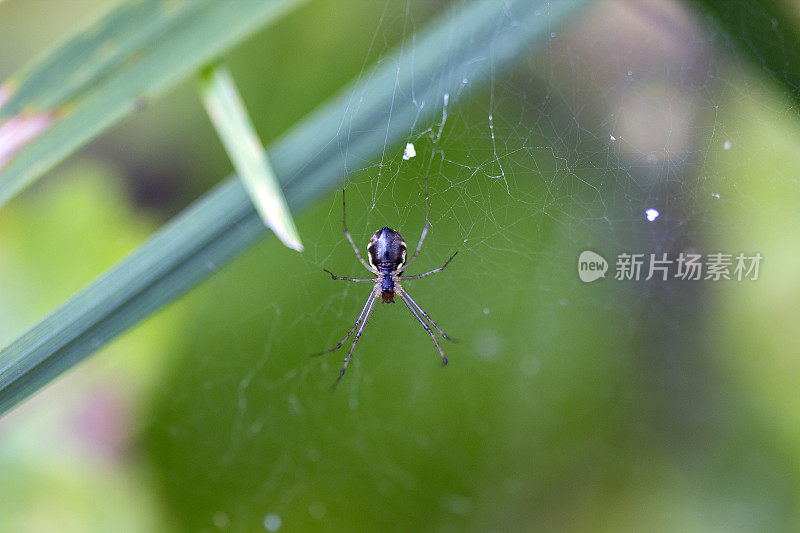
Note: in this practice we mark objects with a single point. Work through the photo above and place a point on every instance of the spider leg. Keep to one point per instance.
(371, 298)
(424, 230)
(424, 325)
(368, 311)
(359, 280)
(349, 238)
(419, 246)
(423, 313)
(434, 271)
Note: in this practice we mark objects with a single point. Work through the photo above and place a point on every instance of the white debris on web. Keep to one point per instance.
(612, 138)
(715, 195)
(727, 145)
(409, 152)
(651, 214)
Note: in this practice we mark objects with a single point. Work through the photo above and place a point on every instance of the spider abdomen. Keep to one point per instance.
(387, 287)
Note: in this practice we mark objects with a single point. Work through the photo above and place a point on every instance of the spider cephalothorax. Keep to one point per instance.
(386, 253)
(386, 249)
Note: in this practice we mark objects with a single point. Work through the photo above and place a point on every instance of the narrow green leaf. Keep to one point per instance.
(228, 113)
(139, 50)
(309, 161)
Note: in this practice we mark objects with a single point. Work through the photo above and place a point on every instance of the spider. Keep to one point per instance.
(386, 252)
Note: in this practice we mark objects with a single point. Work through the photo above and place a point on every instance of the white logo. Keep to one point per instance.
(591, 266)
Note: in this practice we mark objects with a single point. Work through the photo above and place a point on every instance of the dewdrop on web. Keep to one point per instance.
(409, 152)
(651, 214)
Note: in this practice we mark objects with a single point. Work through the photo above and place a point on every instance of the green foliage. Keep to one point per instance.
(138, 51)
(224, 223)
(83, 223)
(550, 411)
(520, 412)
(565, 406)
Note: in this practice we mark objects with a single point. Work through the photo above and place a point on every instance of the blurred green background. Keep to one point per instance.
(615, 405)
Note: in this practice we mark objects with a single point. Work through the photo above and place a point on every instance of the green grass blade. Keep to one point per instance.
(221, 225)
(138, 50)
(228, 113)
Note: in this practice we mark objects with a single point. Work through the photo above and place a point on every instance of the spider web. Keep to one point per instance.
(632, 107)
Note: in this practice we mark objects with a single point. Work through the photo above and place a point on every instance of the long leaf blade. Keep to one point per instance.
(230, 118)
